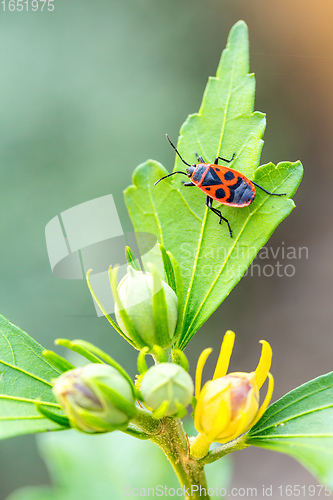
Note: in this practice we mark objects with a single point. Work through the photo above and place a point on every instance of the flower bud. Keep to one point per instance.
(95, 398)
(167, 382)
(226, 406)
(154, 321)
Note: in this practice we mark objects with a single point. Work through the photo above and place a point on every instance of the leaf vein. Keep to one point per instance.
(28, 400)
(206, 211)
(232, 248)
(14, 367)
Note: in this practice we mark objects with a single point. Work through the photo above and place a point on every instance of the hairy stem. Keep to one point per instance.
(170, 436)
(225, 449)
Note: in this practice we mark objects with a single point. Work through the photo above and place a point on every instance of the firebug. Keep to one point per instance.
(223, 184)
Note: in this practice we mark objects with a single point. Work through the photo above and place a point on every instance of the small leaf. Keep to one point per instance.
(168, 269)
(25, 379)
(131, 259)
(300, 424)
(211, 262)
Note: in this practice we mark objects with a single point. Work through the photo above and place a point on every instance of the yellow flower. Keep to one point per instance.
(228, 405)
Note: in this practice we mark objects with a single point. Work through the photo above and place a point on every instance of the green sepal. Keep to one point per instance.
(137, 341)
(168, 269)
(54, 417)
(118, 400)
(181, 411)
(88, 347)
(131, 259)
(57, 361)
(159, 354)
(160, 309)
(100, 426)
(135, 432)
(179, 358)
(161, 411)
(73, 346)
(179, 293)
(194, 404)
(141, 363)
(108, 317)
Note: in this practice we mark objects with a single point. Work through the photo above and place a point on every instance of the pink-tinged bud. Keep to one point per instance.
(95, 398)
(227, 406)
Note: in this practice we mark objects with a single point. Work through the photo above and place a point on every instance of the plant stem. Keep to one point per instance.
(170, 436)
(238, 444)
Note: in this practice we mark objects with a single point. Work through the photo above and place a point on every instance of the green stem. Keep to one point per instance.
(170, 436)
(225, 449)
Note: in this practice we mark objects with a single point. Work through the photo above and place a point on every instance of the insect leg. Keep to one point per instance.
(209, 202)
(188, 183)
(273, 194)
(224, 159)
(199, 158)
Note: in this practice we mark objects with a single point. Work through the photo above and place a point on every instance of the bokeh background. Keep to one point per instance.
(87, 92)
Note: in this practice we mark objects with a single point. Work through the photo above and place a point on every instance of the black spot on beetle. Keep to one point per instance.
(229, 176)
(220, 193)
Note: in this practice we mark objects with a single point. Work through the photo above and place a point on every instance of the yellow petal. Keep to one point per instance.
(266, 401)
(264, 363)
(221, 422)
(198, 374)
(225, 354)
(239, 431)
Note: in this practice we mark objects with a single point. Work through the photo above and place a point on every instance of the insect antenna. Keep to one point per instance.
(174, 147)
(168, 176)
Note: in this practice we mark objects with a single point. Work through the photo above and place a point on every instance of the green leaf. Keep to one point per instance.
(25, 377)
(300, 424)
(211, 262)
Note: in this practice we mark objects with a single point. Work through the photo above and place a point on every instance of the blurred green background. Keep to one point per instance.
(87, 92)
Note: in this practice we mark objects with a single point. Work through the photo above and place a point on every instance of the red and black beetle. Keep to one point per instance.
(223, 184)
